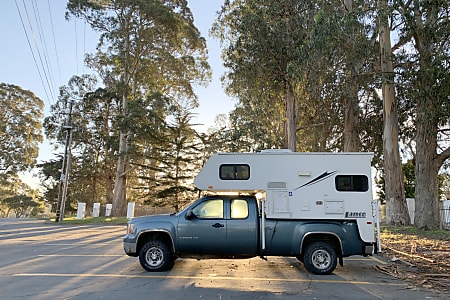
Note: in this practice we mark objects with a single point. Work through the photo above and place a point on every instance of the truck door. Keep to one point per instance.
(205, 231)
(242, 228)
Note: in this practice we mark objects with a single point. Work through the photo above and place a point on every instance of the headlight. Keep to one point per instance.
(130, 228)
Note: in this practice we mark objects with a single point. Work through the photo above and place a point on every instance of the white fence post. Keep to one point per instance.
(81, 209)
(130, 210)
(108, 210)
(96, 210)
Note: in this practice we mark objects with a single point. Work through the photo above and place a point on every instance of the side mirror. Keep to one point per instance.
(190, 215)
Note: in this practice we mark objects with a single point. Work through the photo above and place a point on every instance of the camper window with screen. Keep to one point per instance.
(234, 172)
(352, 183)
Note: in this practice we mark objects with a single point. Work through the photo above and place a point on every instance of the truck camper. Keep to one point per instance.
(316, 207)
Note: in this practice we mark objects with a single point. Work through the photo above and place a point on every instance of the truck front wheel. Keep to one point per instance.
(155, 256)
(320, 258)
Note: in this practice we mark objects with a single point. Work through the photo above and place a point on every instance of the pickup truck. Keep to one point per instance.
(230, 226)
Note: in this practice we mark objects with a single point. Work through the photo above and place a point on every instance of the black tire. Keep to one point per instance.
(299, 258)
(320, 258)
(155, 256)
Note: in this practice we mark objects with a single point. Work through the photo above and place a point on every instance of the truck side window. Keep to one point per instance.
(239, 209)
(234, 172)
(211, 209)
(352, 183)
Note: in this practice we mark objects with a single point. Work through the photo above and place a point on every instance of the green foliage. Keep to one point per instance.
(20, 128)
(19, 204)
(148, 56)
(408, 169)
(310, 46)
(177, 164)
(49, 174)
(410, 184)
(93, 120)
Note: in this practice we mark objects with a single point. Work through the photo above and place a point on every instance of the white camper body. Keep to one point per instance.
(315, 186)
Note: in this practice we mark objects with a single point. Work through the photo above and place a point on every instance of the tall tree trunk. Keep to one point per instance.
(119, 205)
(351, 118)
(427, 167)
(396, 208)
(351, 102)
(291, 117)
(428, 161)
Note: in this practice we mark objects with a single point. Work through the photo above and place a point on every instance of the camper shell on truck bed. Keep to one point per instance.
(299, 185)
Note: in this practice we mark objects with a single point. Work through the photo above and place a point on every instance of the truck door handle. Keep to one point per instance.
(218, 225)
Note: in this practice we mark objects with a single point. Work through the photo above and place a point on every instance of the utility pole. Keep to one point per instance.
(65, 168)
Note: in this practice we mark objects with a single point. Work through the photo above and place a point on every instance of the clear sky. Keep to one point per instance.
(62, 45)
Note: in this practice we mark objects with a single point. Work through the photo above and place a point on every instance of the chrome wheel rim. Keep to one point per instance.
(321, 259)
(154, 256)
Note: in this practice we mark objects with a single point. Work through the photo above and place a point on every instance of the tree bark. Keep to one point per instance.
(428, 161)
(291, 118)
(427, 188)
(351, 102)
(351, 121)
(119, 204)
(396, 208)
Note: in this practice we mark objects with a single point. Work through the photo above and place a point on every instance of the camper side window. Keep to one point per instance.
(352, 183)
(234, 172)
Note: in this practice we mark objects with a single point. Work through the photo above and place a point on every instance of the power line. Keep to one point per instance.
(32, 52)
(54, 40)
(44, 47)
(37, 50)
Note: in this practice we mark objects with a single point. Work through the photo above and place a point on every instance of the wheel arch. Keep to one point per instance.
(161, 235)
(323, 236)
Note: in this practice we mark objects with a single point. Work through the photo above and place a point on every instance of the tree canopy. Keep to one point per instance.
(307, 75)
(20, 128)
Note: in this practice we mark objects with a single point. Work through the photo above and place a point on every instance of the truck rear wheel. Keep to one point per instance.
(155, 256)
(320, 258)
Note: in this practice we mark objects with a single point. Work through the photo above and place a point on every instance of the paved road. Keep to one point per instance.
(39, 260)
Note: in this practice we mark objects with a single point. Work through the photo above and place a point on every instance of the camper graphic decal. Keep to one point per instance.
(319, 178)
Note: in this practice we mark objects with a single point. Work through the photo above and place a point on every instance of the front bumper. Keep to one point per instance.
(129, 246)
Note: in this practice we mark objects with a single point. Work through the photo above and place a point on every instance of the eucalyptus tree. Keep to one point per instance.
(20, 128)
(145, 47)
(396, 208)
(313, 58)
(263, 40)
(423, 53)
(254, 125)
(340, 67)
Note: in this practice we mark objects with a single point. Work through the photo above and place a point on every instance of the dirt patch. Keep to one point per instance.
(422, 258)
